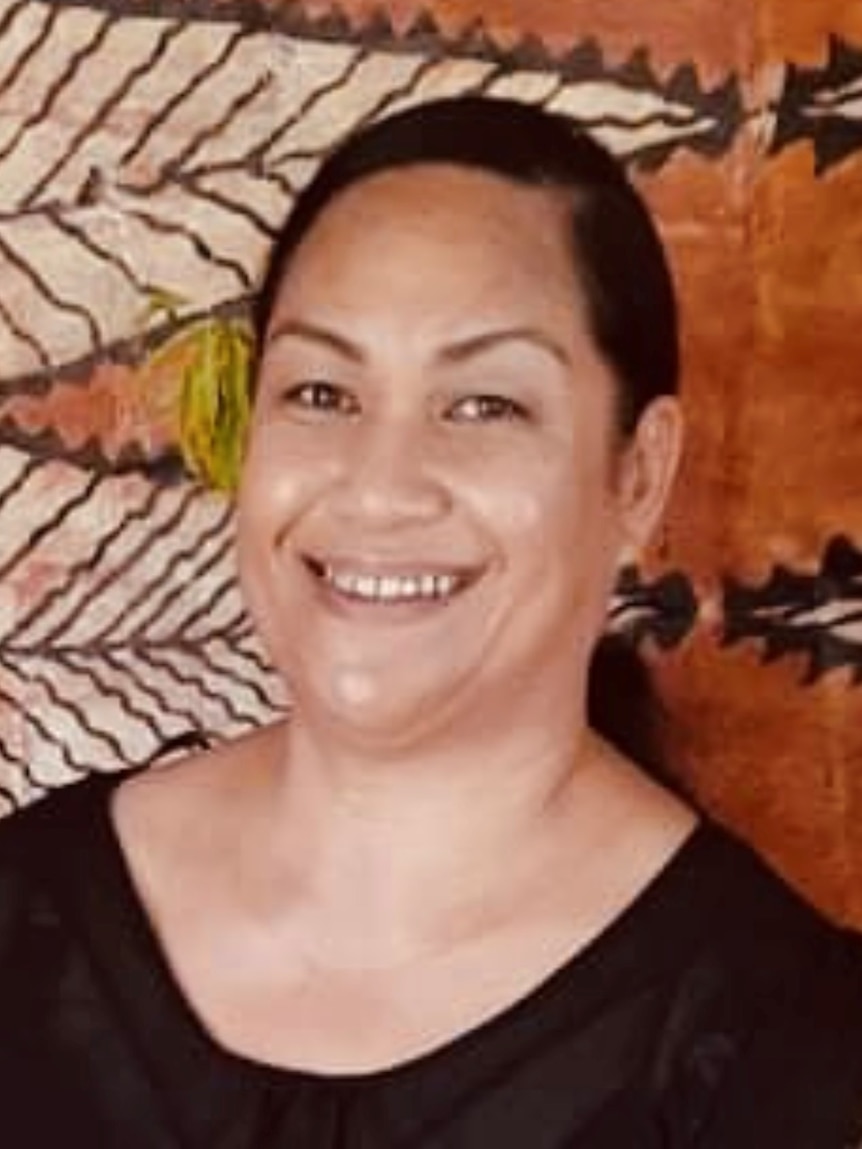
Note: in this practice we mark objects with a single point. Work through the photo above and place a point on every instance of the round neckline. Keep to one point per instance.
(591, 963)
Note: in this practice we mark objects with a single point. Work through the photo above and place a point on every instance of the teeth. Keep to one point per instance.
(391, 588)
(366, 586)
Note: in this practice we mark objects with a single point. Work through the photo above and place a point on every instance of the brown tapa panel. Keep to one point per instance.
(775, 406)
(705, 224)
(799, 425)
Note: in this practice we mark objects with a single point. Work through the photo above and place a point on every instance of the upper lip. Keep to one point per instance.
(380, 567)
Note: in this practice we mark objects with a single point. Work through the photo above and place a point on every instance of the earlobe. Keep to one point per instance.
(649, 467)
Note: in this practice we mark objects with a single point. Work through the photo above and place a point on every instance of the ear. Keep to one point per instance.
(647, 470)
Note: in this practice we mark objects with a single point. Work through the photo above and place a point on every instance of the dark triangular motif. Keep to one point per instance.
(811, 108)
(815, 614)
(664, 610)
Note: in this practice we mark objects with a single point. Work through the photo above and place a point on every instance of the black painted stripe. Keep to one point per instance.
(39, 40)
(25, 337)
(84, 567)
(109, 255)
(207, 608)
(11, 15)
(181, 162)
(108, 105)
(98, 585)
(206, 658)
(73, 65)
(166, 581)
(163, 705)
(131, 350)
(47, 292)
(23, 765)
(200, 246)
(99, 639)
(224, 699)
(18, 669)
(175, 101)
(60, 516)
(82, 663)
(226, 203)
(19, 481)
(31, 719)
(310, 102)
(403, 91)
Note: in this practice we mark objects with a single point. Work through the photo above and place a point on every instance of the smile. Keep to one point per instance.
(387, 588)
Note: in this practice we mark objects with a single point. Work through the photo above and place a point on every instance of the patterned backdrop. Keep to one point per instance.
(148, 151)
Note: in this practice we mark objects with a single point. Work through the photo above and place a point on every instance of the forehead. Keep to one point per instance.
(433, 233)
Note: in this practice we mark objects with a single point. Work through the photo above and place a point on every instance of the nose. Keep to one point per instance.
(388, 476)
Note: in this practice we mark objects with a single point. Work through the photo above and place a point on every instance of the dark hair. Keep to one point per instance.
(618, 261)
(625, 707)
(618, 257)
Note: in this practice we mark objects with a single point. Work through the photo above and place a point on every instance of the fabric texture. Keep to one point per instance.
(718, 1010)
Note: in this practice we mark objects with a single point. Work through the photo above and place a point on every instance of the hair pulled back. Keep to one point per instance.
(618, 258)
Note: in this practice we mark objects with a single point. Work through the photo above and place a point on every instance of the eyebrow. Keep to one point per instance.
(475, 345)
(460, 351)
(312, 333)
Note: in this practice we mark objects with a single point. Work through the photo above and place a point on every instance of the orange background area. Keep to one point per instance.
(800, 31)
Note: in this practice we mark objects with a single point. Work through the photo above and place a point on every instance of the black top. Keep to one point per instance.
(718, 1010)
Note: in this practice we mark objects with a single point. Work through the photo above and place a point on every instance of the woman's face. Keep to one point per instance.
(434, 501)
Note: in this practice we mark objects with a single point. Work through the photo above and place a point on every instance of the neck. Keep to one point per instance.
(398, 855)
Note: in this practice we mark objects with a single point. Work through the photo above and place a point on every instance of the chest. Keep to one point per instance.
(274, 1000)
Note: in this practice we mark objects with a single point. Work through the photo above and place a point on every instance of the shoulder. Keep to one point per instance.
(34, 834)
(37, 845)
(764, 1033)
(62, 931)
(773, 944)
(47, 820)
(184, 808)
(740, 908)
(47, 872)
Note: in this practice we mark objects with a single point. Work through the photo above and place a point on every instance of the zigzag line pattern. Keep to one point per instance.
(115, 643)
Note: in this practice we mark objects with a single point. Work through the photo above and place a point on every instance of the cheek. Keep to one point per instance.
(543, 498)
(281, 471)
(529, 512)
(556, 528)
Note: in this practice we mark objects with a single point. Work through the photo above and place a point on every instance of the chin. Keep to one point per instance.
(367, 708)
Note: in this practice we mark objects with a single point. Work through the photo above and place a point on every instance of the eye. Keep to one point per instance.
(320, 397)
(486, 409)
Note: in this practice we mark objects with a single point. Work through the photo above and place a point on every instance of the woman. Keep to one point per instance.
(435, 908)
